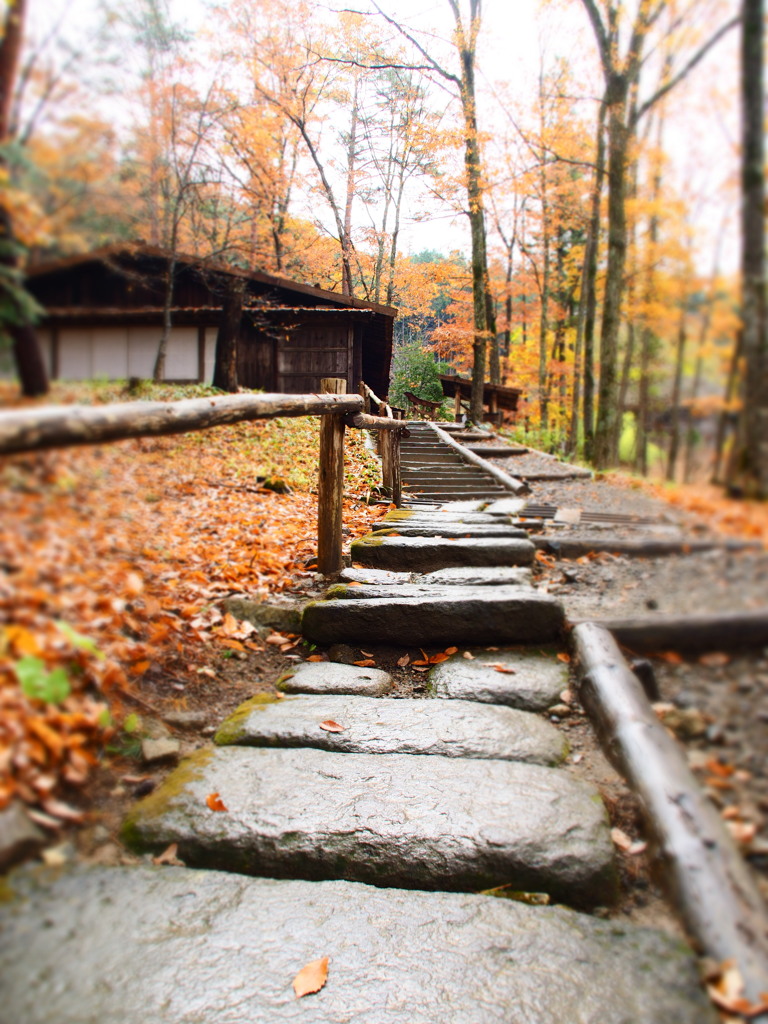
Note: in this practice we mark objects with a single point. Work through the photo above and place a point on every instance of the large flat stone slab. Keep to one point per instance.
(506, 506)
(528, 680)
(402, 515)
(477, 577)
(363, 591)
(480, 615)
(425, 554)
(215, 948)
(452, 530)
(389, 726)
(331, 677)
(377, 576)
(388, 819)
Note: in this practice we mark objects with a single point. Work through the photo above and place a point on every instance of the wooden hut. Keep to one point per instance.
(104, 315)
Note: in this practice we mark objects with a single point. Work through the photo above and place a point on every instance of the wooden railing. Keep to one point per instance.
(63, 426)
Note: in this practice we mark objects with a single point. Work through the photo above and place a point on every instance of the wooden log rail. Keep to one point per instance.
(718, 899)
(34, 429)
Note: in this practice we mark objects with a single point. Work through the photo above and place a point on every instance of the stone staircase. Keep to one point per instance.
(433, 471)
(336, 819)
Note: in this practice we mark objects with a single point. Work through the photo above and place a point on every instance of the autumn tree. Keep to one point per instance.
(621, 67)
(466, 31)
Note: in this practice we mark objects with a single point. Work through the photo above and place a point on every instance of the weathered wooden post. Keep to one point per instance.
(385, 448)
(397, 480)
(457, 405)
(330, 485)
(363, 390)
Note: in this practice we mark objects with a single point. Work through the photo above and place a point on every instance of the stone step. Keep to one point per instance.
(224, 949)
(329, 677)
(446, 530)
(387, 819)
(431, 589)
(532, 681)
(504, 615)
(407, 515)
(386, 725)
(418, 554)
(489, 451)
(469, 577)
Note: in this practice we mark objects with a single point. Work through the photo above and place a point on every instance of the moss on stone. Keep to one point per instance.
(135, 831)
(337, 591)
(232, 729)
(398, 514)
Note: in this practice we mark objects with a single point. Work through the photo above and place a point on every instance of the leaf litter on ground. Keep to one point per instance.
(112, 561)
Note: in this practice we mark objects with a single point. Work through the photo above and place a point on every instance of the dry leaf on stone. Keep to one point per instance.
(215, 803)
(565, 658)
(311, 978)
(169, 856)
(317, 657)
(365, 663)
(330, 726)
(468, 656)
(277, 639)
(435, 659)
(451, 650)
(419, 668)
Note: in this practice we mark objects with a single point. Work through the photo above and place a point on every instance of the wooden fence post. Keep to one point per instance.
(397, 480)
(363, 390)
(330, 485)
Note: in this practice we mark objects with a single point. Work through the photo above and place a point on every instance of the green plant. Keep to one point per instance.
(39, 684)
(414, 369)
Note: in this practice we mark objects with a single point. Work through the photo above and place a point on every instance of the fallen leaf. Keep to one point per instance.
(742, 831)
(468, 656)
(311, 978)
(354, 583)
(58, 809)
(405, 660)
(716, 659)
(316, 657)
(435, 659)
(417, 668)
(420, 661)
(451, 650)
(368, 654)
(671, 657)
(139, 668)
(330, 726)
(277, 639)
(365, 663)
(169, 856)
(215, 803)
(715, 767)
(565, 658)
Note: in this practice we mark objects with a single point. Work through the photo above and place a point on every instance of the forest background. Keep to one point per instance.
(548, 192)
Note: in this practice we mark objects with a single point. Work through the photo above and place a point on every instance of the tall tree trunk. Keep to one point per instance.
(225, 367)
(27, 355)
(607, 426)
(749, 465)
(158, 373)
(674, 438)
(589, 290)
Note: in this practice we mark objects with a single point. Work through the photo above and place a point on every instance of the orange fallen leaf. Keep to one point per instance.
(420, 661)
(277, 639)
(715, 767)
(405, 660)
(354, 583)
(233, 645)
(330, 726)
(139, 668)
(215, 803)
(451, 650)
(230, 625)
(716, 659)
(565, 658)
(311, 978)
(316, 657)
(435, 659)
(365, 663)
(671, 657)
